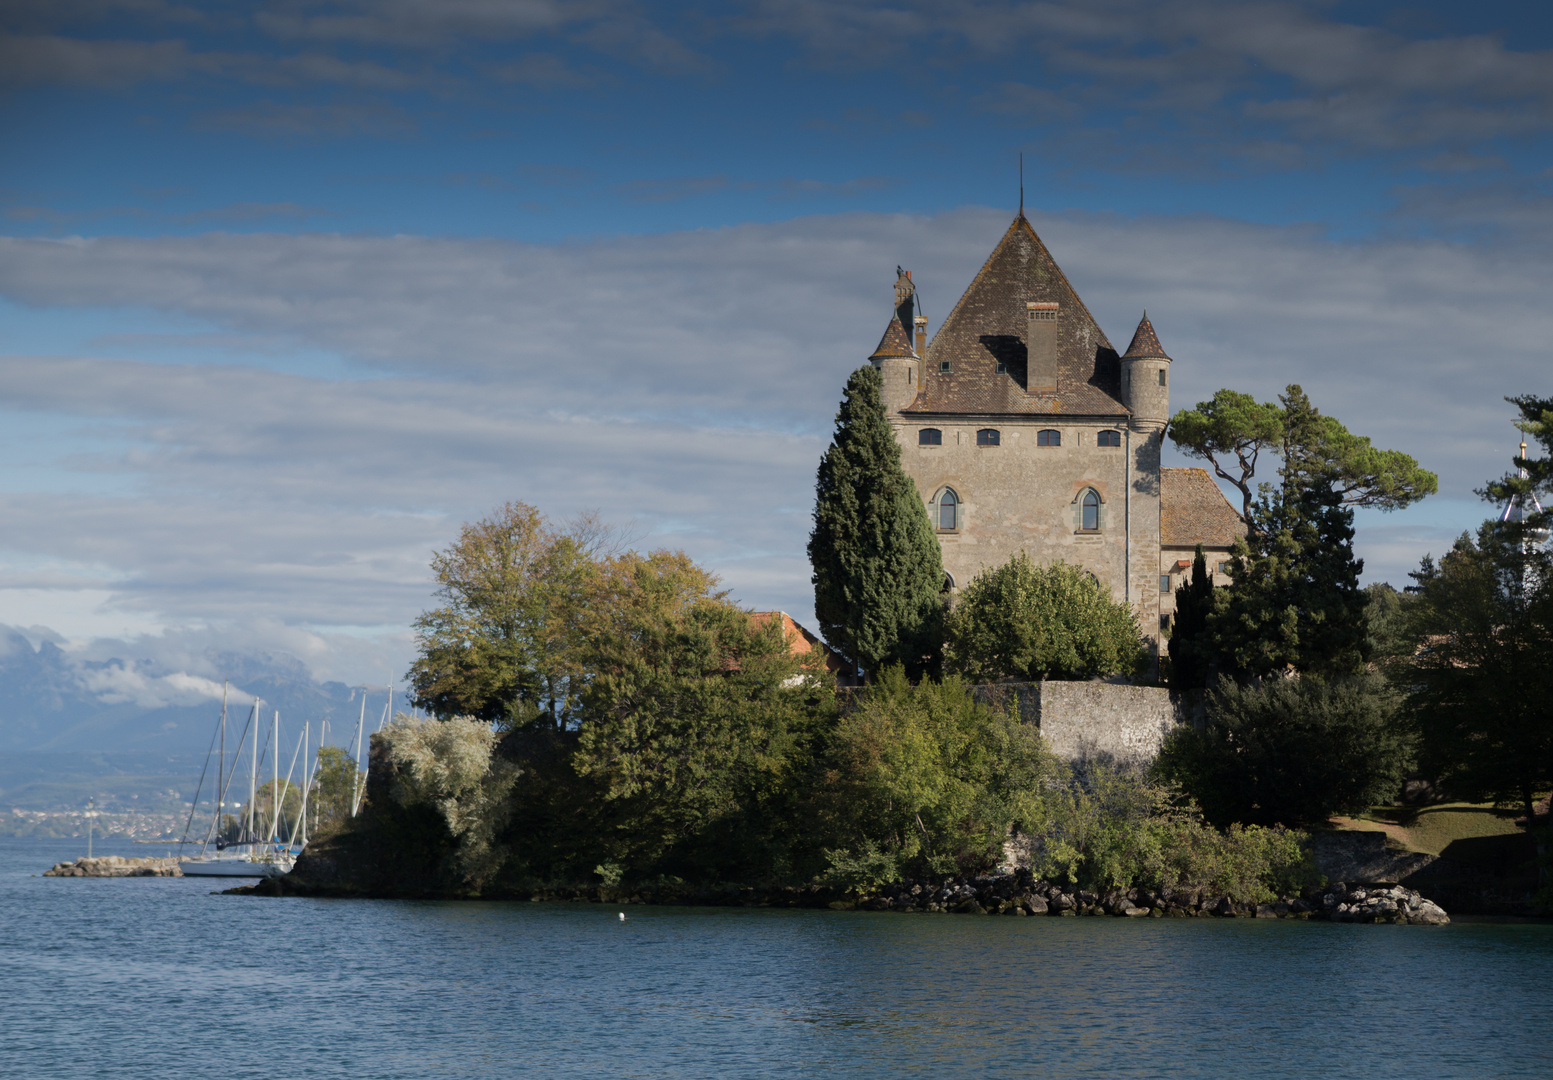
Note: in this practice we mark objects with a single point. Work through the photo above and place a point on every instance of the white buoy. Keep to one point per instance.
(622, 916)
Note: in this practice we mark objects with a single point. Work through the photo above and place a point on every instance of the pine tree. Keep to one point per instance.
(878, 569)
(1191, 652)
(1295, 601)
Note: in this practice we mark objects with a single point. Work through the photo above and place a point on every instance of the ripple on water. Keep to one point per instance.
(156, 976)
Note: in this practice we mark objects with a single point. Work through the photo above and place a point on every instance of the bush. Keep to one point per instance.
(448, 765)
(925, 780)
(1108, 828)
(1026, 621)
(1291, 751)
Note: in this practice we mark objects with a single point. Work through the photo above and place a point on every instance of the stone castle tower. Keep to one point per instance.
(1024, 430)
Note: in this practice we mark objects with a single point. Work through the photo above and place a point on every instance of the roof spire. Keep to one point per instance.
(1145, 343)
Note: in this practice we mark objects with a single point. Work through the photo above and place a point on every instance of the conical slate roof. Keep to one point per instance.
(1145, 343)
(896, 342)
(988, 326)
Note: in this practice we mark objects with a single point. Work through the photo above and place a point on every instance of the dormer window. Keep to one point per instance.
(988, 437)
(945, 367)
(1109, 438)
(1048, 437)
(930, 436)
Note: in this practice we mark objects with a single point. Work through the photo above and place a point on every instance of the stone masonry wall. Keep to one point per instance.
(1092, 719)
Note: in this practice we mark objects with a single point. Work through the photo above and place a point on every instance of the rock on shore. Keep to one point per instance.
(116, 866)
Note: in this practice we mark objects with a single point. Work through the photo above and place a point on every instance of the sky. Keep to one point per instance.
(289, 290)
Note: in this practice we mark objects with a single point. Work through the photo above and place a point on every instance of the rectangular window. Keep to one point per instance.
(1162, 376)
(1164, 583)
(1224, 568)
(945, 367)
(1109, 438)
(1002, 367)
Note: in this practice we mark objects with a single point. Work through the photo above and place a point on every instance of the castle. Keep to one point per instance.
(1024, 430)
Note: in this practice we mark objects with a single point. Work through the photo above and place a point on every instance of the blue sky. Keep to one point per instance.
(290, 289)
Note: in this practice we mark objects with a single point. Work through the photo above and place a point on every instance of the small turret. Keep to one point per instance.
(1146, 379)
(897, 361)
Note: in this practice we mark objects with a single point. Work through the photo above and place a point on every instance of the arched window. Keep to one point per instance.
(1091, 511)
(1048, 437)
(948, 582)
(1109, 438)
(988, 436)
(930, 436)
(948, 510)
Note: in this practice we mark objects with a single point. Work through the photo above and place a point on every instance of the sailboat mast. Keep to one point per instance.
(361, 722)
(275, 781)
(220, 765)
(307, 783)
(253, 773)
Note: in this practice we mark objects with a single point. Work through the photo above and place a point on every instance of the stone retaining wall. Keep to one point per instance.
(1085, 720)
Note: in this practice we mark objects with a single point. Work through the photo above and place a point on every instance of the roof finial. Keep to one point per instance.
(1021, 183)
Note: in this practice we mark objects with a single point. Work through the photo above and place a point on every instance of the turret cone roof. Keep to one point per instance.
(1145, 343)
(895, 342)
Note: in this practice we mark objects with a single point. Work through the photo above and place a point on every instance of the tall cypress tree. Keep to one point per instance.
(1191, 651)
(878, 569)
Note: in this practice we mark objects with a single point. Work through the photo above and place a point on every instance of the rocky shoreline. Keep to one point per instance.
(115, 866)
(1014, 894)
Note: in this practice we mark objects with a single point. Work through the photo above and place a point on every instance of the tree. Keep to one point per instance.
(696, 722)
(450, 767)
(1484, 618)
(878, 569)
(504, 646)
(1532, 475)
(1291, 751)
(334, 790)
(1294, 600)
(1315, 449)
(1191, 649)
(1230, 425)
(1025, 621)
(925, 779)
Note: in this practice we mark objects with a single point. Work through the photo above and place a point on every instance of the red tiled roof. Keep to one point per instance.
(1193, 510)
(1145, 343)
(988, 326)
(895, 342)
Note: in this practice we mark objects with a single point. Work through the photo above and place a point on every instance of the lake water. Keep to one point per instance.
(156, 977)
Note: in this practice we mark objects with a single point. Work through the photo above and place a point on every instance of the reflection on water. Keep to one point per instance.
(157, 977)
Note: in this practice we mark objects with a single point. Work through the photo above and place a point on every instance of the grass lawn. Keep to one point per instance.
(1432, 829)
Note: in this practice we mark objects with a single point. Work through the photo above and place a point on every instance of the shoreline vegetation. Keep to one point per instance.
(609, 723)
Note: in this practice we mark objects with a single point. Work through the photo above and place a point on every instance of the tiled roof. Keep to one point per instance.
(1192, 511)
(896, 342)
(988, 326)
(1145, 343)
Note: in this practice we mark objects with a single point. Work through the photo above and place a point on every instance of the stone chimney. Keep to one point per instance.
(921, 321)
(1041, 347)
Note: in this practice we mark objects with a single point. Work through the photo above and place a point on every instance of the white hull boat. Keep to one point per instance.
(238, 866)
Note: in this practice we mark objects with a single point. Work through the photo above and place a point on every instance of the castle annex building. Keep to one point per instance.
(1025, 430)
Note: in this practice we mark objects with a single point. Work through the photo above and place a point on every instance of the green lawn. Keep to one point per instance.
(1432, 829)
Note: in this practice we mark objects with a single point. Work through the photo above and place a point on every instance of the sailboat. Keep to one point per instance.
(249, 856)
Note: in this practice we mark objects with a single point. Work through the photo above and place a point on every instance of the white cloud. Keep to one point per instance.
(683, 382)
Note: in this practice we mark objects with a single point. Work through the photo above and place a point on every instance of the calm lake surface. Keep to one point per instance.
(156, 977)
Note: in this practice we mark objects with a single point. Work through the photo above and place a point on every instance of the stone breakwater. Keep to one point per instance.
(116, 866)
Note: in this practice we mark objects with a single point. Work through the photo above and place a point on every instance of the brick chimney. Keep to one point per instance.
(1041, 347)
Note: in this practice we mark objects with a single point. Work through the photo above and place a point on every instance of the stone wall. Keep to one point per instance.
(1080, 720)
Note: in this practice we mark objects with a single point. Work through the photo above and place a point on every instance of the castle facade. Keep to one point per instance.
(1025, 430)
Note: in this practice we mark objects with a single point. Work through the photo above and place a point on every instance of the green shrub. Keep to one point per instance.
(1291, 751)
(448, 765)
(925, 780)
(1020, 620)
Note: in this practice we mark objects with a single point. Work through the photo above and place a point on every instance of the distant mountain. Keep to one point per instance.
(66, 720)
